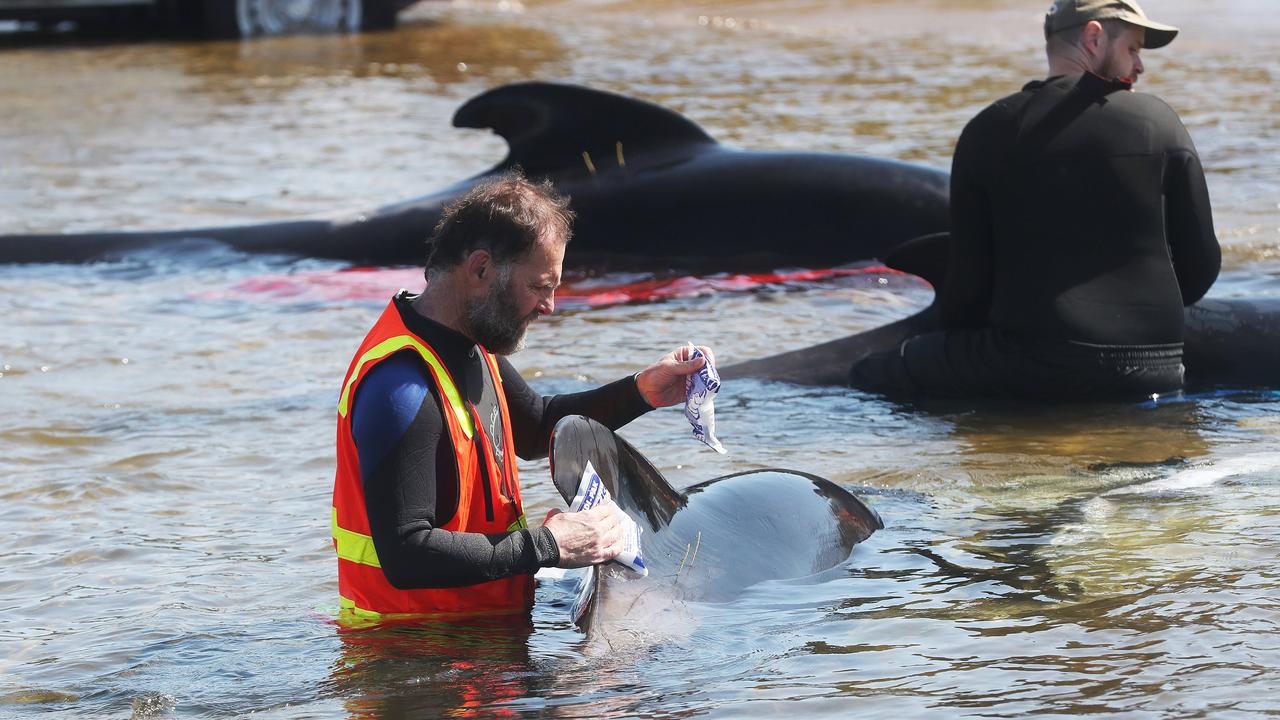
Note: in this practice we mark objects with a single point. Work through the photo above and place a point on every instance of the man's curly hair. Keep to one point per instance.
(506, 216)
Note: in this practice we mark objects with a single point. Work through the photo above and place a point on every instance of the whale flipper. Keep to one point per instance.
(829, 363)
(924, 256)
(549, 126)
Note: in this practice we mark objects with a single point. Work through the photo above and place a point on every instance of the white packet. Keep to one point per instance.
(700, 391)
(592, 492)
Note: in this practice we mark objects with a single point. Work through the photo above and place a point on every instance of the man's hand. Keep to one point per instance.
(662, 383)
(589, 537)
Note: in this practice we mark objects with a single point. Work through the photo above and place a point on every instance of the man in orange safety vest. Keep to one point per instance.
(427, 517)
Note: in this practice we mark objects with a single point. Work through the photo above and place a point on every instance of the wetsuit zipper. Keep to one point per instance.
(482, 458)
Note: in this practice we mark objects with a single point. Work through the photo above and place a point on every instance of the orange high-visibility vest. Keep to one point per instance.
(488, 494)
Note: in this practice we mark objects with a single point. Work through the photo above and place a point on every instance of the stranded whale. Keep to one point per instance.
(708, 543)
(1228, 342)
(645, 182)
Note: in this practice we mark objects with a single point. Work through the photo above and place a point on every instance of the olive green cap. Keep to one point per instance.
(1065, 14)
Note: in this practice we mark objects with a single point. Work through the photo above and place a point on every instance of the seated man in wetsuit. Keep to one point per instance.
(1080, 228)
(427, 513)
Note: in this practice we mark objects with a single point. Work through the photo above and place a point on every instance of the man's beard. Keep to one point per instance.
(496, 323)
(1110, 69)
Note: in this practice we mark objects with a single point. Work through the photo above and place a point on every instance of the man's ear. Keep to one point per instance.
(1093, 37)
(478, 265)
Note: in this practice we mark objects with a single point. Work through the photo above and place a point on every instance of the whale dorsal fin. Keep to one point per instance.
(549, 126)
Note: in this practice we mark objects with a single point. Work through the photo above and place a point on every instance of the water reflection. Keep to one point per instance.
(417, 669)
(1066, 437)
(444, 53)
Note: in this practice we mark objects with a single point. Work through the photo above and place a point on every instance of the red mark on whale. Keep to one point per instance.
(578, 292)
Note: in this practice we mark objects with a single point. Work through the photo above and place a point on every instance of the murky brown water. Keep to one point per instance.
(166, 458)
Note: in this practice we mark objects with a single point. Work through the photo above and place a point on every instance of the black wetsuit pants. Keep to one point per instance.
(991, 363)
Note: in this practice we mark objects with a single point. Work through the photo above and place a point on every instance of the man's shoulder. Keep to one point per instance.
(1160, 121)
(396, 384)
(1009, 105)
(1145, 101)
(403, 367)
(996, 115)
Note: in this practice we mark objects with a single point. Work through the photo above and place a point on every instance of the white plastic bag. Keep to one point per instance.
(700, 391)
(592, 492)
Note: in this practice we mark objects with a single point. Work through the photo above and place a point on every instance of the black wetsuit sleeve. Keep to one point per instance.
(1193, 247)
(533, 416)
(965, 295)
(411, 489)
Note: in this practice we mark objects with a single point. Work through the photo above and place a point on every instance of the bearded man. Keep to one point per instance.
(427, 514)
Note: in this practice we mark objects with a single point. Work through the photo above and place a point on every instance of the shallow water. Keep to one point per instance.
(166, 450)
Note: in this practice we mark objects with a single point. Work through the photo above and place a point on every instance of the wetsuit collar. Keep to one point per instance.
(452, 346)
(1088, 82)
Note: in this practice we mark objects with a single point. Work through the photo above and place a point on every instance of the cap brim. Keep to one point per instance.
(1157, 35)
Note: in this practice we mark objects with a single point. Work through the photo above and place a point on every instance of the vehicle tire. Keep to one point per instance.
(252, 18)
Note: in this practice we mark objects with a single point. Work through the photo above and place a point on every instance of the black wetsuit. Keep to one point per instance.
(1080, 227)
(409, 470)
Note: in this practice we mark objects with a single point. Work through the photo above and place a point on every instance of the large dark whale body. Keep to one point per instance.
(711, 541)
(645, 182)
(1228, 342)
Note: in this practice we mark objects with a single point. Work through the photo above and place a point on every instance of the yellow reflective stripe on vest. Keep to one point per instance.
(350, 613)
(358, 548)
(353, 546)
(349, 606)
(400, 342)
